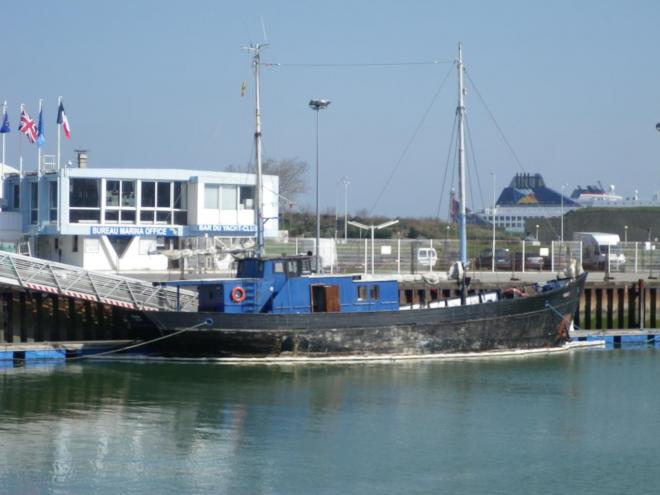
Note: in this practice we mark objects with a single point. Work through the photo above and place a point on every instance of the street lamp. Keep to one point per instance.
(318, 105)
(493, 220)
(346, 183)
(373, 228)
(537, 231)
(625, 234)
(562, 213)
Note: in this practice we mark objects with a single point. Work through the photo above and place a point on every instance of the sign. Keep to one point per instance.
(134, 231)
(224, 229)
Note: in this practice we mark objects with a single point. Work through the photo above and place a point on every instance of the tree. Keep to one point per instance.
(292, 173)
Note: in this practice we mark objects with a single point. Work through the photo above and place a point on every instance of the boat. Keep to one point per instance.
(278, 307)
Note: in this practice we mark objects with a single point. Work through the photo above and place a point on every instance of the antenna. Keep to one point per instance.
(263, 28)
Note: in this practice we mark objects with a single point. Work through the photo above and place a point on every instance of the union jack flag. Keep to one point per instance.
(28, 127)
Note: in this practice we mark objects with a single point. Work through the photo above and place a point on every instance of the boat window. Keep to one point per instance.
(374, 292)
(306, 266)
(362, 292)
(292, 267)
(278, 267)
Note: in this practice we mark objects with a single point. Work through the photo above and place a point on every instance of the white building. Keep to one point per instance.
(133, 219)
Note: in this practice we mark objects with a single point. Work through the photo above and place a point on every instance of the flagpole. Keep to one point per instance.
(41, 103)
(2, 165)
(20, 154)
(59, 102)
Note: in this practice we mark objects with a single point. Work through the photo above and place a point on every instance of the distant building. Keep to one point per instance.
(525, 198)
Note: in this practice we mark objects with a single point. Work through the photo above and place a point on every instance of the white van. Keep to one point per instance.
(427, 257)
(595, 247)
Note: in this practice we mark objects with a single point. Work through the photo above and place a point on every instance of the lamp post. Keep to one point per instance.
(493, 220)
(373, 228)
(346, 183)
(318, 105)
(537, 231)
(561, 238)
(625, 234)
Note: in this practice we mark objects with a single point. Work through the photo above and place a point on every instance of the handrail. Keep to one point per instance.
(59, 278)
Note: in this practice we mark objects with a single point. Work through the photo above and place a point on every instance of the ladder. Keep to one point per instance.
(72, 281)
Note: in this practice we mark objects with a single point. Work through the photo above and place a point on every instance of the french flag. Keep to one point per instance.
(63, 121)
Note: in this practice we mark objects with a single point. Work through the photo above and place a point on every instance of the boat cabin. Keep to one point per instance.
(287, 285)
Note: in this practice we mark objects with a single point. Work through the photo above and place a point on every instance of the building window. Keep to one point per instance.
(112, 193)
(211, 197)
(246, 198)
(148, 196)
(34, 202)
(164, 195)
(52, 201)
(16, 196)
(128, 193)
(84, 201)
(119, 201)
(180, 196)
(222, 197)
(74, 249)
(229, 197)
(84, 193)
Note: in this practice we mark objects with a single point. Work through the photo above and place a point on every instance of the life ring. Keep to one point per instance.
(238, 294)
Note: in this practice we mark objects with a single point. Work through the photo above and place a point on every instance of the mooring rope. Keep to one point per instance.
(550, 306)
(206, 322)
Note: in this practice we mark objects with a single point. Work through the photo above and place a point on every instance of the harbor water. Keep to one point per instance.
(578, 422)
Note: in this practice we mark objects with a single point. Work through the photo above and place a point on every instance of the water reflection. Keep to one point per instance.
(189, 428)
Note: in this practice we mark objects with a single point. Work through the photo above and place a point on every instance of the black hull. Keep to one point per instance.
(532, 322)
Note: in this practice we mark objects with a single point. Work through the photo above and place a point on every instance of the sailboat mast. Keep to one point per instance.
(460, 112)
(256, 63)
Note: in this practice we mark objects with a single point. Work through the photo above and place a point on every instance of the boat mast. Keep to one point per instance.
(256, 64)
(460, 112)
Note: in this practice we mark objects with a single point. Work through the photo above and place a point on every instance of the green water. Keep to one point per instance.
(582, 422)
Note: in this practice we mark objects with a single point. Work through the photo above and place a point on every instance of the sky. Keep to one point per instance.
(567, 89)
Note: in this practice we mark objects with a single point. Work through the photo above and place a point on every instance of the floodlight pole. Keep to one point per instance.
(318, 105)
(373, 228)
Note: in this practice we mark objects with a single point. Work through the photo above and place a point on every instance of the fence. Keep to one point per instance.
(417, 256)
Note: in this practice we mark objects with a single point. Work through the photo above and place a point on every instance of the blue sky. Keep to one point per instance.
(574, 86)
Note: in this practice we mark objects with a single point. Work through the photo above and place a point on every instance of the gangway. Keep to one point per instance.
(59, 278)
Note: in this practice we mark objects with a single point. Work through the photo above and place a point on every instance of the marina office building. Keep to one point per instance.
(134, 219)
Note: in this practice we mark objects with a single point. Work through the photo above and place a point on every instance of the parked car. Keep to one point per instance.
(502, 259)
(427, 257)
(532, 261)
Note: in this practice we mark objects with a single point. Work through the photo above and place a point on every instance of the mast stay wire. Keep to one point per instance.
(506, 141)
(497, 125)
(410, 142)
(448, 164)
(472, 165)
(358, 64)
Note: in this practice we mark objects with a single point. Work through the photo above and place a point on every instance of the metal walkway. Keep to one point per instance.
(58, 278)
